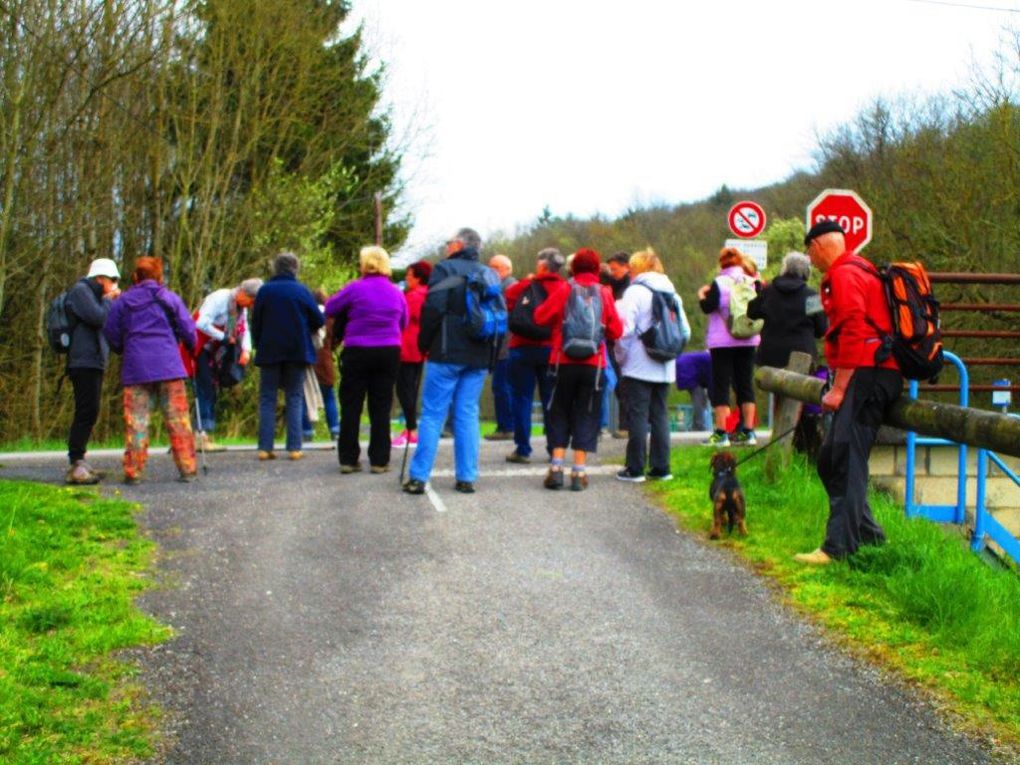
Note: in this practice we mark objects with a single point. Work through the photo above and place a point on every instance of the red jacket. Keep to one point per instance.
(514, 291)
(550, 313)
(851, 296)
(409, 353)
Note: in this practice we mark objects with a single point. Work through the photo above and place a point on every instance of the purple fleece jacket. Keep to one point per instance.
(372, 312)
(145, 324)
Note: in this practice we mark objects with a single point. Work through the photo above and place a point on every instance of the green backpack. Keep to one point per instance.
(742, 292)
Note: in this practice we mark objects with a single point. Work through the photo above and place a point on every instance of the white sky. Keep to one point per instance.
(594, 106)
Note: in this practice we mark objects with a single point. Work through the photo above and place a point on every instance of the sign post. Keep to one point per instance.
(847, 209)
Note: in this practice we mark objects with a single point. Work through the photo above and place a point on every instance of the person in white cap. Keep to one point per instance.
(88, 303)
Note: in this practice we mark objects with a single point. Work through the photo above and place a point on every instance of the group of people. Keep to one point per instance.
(574, 321)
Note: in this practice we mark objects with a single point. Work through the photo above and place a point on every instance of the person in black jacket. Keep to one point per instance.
(455, 370)
(793, 314)
(88, 303)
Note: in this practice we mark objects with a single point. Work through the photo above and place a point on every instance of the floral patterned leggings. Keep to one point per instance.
(172, 397)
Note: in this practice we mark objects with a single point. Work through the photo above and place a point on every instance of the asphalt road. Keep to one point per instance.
(323, 618)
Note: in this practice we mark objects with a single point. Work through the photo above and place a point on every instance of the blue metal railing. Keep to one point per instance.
(985, 524)
(940, 513)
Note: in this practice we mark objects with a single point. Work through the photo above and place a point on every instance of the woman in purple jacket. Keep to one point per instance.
(145, 325)
(369, 315)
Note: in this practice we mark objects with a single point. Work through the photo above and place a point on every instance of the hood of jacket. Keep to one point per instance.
(788, 284)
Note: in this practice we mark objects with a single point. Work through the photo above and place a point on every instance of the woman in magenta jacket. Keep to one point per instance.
(411, 358)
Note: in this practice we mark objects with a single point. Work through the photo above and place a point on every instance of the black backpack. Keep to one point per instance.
(522, 317)
(665, 338)
(59, 324)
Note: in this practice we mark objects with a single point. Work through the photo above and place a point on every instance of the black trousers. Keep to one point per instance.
(576, 408)
(732, 366)
(88, 389)
(646, 411)
(843, 459)
(408, 382)
(366, 372)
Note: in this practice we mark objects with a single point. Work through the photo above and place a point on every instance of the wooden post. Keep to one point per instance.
(999, 433)
(778, 457)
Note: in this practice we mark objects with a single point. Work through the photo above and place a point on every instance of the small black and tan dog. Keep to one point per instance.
(727, 496)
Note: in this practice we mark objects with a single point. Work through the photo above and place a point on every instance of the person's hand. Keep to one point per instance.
(231, 340)
(833, 399)
(113, 293)
(243, 360)
(703, 292)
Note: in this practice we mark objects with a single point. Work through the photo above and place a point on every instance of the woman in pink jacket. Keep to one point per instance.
(411, 359)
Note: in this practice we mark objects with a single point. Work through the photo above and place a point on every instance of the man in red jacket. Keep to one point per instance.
(862, 389)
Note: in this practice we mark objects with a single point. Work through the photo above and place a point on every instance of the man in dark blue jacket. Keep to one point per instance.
(455, 370)
(283, 320)
(88, 303)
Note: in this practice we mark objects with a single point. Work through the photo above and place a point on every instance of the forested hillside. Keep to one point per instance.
(212, 133)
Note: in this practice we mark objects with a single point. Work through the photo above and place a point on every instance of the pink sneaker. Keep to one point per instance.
(401, 440)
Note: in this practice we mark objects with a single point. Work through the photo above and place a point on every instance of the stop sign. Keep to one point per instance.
(848, 210)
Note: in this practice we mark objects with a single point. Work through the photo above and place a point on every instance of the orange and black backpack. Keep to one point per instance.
(916, 338)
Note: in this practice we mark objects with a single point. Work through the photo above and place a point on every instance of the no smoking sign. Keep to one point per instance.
(746, 219)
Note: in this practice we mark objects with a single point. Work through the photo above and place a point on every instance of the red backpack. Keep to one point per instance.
(916, 338)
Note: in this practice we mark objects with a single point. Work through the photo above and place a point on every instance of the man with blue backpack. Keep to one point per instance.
(463, 328)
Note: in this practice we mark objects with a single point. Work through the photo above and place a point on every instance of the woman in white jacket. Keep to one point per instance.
(648, 381)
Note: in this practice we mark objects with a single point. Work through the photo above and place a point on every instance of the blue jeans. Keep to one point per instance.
(205, 391)
(291, 377)
(330, 409)
(528, 365)
(501, 396)
(445, 385)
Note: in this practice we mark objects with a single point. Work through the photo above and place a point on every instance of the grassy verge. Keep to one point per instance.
(70, 566)
(922, 604)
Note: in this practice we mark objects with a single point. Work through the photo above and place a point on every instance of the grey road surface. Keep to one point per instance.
(323, 618)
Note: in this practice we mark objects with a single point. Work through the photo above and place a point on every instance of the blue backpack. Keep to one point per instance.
(484, 306)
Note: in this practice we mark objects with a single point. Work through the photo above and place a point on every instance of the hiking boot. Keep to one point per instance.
(578, 480)
(464, 487)
(814, 558)
(414, 486)
(629, 477)
(80, 475)
(264, 455)
(296, 455)
(379, 469)
(204, 443)
(621, 435)
(500, 435)
(655, 475)
(744, 438)
(717, 439)
(553, 479)
(187, 477)
(404, 439)
(100, 474)
(348, 469)
(517, 458)
(132, 480)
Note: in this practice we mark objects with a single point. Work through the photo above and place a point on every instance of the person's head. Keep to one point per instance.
(502, 265)
(147, 268)
(796, 264)
(749, 266)
(619, 265)
(286, 263)
(644, 261)
(549, 261)
(824, 242)
(104, 272)
(586, 261)
(320, 295)
(464, 239)
(374, 260)
(730, 256)
(418, 273)
(246, 292)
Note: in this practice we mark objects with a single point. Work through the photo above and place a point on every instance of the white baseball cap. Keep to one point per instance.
(103, 267)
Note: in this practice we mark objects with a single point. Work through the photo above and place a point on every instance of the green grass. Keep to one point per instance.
(922, 603)
(70, 568)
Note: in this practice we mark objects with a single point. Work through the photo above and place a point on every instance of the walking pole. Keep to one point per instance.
(407, 440)
(198, 422)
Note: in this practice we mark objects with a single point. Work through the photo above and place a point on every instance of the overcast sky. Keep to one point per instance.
(590, 106)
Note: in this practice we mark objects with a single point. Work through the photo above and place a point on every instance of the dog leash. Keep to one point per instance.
(756, 452)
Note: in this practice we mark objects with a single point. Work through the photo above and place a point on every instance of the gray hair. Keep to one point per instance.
(796, 264)
(250, 286)
(285, 263)
(470, 238)
(552, 258)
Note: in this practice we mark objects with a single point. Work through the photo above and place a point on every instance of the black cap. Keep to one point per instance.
(822, 227)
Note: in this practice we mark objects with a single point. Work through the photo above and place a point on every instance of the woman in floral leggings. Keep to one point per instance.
(145, 324)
